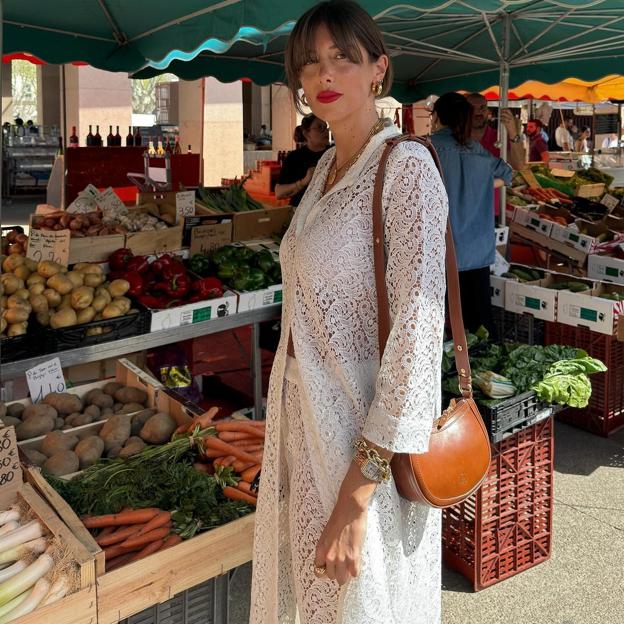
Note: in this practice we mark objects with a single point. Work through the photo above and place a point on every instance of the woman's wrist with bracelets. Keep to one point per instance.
(374, 467)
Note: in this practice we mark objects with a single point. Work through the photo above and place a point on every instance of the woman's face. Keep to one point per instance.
(335, 87)
(317, 136)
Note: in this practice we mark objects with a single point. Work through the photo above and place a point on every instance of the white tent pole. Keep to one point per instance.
(504, 100)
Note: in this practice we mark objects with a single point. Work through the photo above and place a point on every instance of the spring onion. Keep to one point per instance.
(38, 593)
(26, 578)
(33, 547)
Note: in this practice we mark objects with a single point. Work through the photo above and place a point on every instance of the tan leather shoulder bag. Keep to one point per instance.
(459, 454)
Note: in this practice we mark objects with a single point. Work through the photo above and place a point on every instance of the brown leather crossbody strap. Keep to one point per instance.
(455, 312)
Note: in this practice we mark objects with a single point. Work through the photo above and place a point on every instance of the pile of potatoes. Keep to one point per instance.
(129, 426)
(58, 297)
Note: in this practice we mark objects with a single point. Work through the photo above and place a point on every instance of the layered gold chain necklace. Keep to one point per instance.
(335, 170)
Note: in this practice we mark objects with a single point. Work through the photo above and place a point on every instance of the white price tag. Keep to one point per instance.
(49, 245)
(610, 202)
(45, 378)
(110, 204)
(185, 204)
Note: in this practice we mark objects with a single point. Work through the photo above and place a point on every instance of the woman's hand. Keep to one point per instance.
(307, 178)
(340, 546)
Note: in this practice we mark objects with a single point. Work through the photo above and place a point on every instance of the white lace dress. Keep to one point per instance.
(336, 391)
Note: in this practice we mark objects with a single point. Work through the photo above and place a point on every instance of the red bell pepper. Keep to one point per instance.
(175, 286)
(118, 260)
(149, 280)
(208, 288)
(138, 263)
(135, 279)
(149, 301)
(160, 263)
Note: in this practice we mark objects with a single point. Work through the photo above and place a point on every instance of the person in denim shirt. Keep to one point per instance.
(471, 174)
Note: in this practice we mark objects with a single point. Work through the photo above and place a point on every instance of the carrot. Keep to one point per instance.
(141, 540)
(115, 551)
(239, 466)
(157, 521)
(250, 447)
(228, 461)
(213, 454)
(106, 530)
(135, 516)
(236, 436)
(172, 540)
(238, 425)
(243, 486)
(151, 548)
(215, 444)
(119, 536)
(235, 494)
(203, 421)
(250, 474)
(119, 561)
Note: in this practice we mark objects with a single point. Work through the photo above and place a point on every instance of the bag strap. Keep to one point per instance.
(462, 361)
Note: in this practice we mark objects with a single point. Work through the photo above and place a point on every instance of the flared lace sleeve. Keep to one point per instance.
(407, 393)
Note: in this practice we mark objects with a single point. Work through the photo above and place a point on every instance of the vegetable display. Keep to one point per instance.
(233, 198)
(162, 283)
(14, 242)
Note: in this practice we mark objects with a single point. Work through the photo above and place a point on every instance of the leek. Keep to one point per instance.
(495, 386)
(26, 533)
(9, 527)
(33, 547)
(12, 515)
(30, 604)
(9, 606)
(11, 571)
(59, 589)
(26, 578)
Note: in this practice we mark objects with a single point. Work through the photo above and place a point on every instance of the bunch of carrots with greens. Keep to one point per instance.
(132, 534)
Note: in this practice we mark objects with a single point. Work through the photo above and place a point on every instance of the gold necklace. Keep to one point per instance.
(333, 173)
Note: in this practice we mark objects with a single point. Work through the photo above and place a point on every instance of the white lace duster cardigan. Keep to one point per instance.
(329, 303)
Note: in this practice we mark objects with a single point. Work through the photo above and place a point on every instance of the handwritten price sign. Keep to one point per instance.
(44, 379)
(10, 473)
(45, 245)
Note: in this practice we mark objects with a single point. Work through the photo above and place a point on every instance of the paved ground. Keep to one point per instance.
(17, 211)
(583, 583)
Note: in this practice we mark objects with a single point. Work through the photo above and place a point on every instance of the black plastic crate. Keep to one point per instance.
(127, 326)
(29, 345)
(511, 327)
(508, 416)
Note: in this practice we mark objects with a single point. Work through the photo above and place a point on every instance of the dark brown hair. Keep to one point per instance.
(454, 111)
(349, 25)
(306, 124)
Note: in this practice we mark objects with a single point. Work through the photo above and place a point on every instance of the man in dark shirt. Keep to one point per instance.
(538, 148)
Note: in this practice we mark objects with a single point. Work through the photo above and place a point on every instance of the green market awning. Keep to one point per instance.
(436, 45)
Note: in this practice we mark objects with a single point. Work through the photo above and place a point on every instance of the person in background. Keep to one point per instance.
(299, 165)
(488, 136)
(582, 142)
(563, 135)
(538, 148)
(471, 174)
(610, 141)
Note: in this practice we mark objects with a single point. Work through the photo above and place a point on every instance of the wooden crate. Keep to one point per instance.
(155, 242)
(94, 248)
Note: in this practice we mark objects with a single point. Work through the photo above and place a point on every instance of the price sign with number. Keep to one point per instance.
(185, 204)
(10, 472)
(44, 379)
(45, 245)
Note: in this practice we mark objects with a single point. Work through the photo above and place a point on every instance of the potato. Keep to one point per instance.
(69, 420)
(95, 331)
(41, 409)
(158, 429)
(10, 283)
(88, 268)
(113, 452)
(82, 419)
(131, 408)
(88, 398)
(17, 301)
(62, 463)
(99, 303)
(36, 289)
(82, 297)
(117, 407)
(93, 411)
(22, 293)
(31, 264)
(35, 426)
(59, 423)
(111, 387)
(43, 318)
(54, 298)
(16, 315)
(12, 261)
(63, 402)
(85, 316)
(9, 421)
(17, 329)
(22, 272)
(61, 283)
(48, 269)
(35, 457)
(118, 288)
(107, 412)
(89, 451)
(34, 279)
(15, 409)
(138, 420)
(131, 395)
(103, 292)
(76, 278)
(102, 400)
(112, 310)
(116, 431)
(123, 303)
(55, 442)
(93, 280)
(65, 317)
(39, 304)
(133, 446)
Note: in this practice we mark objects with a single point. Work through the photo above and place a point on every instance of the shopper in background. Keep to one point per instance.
(335, 544)
(538, 148)
(471, 174)
(563, 135)
(298, 167)
(610, 141)
(582, 142)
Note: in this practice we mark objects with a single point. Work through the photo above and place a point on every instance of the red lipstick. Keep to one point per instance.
(327, 97)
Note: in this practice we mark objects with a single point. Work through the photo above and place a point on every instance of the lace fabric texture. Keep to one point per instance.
(337, 391)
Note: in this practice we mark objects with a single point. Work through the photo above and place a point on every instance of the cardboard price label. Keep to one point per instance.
(46, 245)
(185, 204)
(207, 238)
(10, 472)
(610, 202)
(44, 379)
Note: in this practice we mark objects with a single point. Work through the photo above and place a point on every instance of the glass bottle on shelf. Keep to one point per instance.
(167, 141)
(110, 139)
(98, 138)
(59, 151)
(150, 150)
(159, 148)
(90, 137)
(130, 137)
(189, 150)
(137, 137)
(117, 138)
(73, 139)
(176, 148)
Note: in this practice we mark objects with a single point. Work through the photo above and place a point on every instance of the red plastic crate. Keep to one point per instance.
(605, 413)
(505, 527)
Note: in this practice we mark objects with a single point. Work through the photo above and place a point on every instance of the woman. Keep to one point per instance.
(330, 543)
(471, 174)
(581, 143)
(299, 165)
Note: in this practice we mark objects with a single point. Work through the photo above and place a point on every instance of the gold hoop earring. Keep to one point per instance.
(304, 101)
(377, 88)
